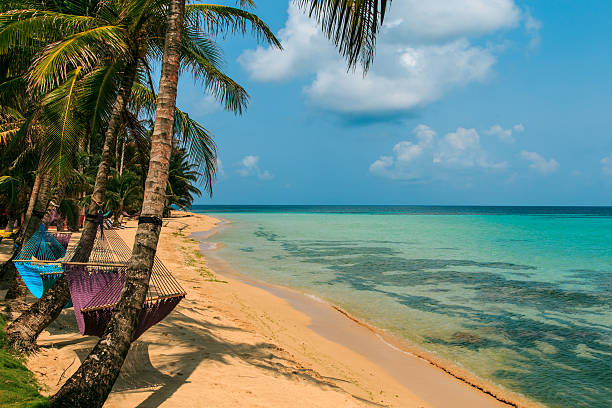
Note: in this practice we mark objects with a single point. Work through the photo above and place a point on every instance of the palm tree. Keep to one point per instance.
(182, 177)
(13, 190)
(105, 360)
(352, 25)
(123, 193)
(133, 30)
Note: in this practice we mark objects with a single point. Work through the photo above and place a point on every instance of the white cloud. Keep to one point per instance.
(407, 151)
(382, 165)
(400, 166)
(462, 149)
(456, 150)
(606, 166)
(423, 52)
(425, 134)
(249, 166)
(249, 163)
(220, 170)
(403, 78)
(303, 48)
(533, 26)
(436, 20)
(208, 104)
(505, 135)
(539, 163)
(265, 175)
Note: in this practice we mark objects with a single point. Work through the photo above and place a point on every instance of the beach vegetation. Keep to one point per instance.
(18, 387)
(76, 92)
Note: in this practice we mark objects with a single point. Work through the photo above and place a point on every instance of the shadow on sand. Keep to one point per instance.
(184, 332)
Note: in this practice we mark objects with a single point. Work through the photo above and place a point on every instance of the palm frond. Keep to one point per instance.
(199, 56)
(12, 91)
(143, 98)
(81, 49)
(352, 25)
(62, 127)
(218, 19)
(198, 141)
(22, 28)
(97, 91)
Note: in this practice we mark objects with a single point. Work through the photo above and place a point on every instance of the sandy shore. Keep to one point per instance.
(237, 343)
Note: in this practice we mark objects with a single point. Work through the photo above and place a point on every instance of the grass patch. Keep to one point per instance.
(194, 258)
(18, 387)
(208, 275)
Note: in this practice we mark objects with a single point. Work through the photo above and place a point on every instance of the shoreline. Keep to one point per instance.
(231, 343)
(386, 339)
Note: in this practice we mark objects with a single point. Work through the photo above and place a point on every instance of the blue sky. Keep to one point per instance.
(468, 102)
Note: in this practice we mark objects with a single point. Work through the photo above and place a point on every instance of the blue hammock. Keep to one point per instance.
(34, 262)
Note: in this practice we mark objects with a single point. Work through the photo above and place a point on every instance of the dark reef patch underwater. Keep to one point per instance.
(520, 296)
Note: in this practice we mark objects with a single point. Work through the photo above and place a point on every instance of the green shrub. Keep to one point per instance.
(18, 387)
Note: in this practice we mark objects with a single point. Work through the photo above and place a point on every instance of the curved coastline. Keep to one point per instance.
(303, 302)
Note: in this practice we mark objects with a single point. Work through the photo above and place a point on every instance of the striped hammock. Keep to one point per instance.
(38, 261)
(63, 238)
(96, 285)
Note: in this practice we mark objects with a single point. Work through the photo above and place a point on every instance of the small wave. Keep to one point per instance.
(209, 245)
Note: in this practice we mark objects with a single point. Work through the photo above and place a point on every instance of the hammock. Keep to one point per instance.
(63, 238)
(37, 261)
(96, 285)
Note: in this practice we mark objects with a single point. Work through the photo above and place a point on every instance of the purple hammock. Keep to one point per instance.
(95, 291)
(63, 238)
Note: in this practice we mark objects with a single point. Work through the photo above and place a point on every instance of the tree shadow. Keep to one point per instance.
(138, 372)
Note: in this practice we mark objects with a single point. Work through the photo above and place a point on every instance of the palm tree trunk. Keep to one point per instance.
(32, 201)
(122, 155)
(54, 203)
(93, 381)
(22, 333)
(17, 288)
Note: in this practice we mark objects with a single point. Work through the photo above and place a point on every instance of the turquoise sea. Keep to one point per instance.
(520, 296)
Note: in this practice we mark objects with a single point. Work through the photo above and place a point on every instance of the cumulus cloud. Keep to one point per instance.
(406, 152)
(423, 52)
(462, 149)
(403, 79)
(505, 135)
(382, 165)
(249, 166)
(436, 20)
(539, 163)
(303, 48)
(456, 150)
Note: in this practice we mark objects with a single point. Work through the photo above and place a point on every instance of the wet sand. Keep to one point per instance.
(234, 342)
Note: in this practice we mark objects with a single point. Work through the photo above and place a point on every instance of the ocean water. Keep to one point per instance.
(520, 296)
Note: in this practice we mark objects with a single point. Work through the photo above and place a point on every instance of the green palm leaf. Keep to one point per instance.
(351, 24)
(219, 19)
(62, 127)
(81, 49)
(23, 28)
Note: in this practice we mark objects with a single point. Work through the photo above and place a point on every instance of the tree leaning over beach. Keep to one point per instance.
(118, 81)
(352, 25)
(92, 382)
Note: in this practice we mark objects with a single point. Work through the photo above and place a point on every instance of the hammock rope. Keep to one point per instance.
(63, 238)
(96, 286)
